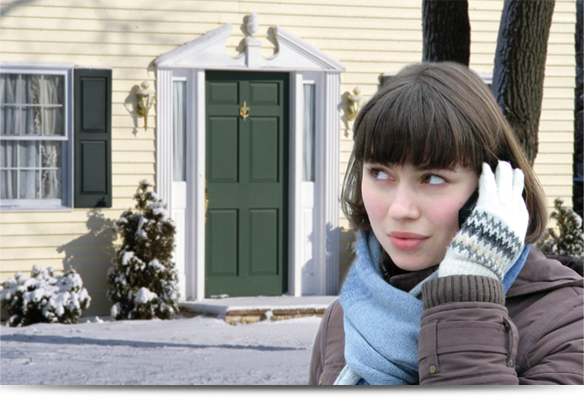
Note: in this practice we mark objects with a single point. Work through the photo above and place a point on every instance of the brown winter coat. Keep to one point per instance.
(533, 335)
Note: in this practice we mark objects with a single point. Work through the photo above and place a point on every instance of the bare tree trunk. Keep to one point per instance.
(446, 31)
(520, 67)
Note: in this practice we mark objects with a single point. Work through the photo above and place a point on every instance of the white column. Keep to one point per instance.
(198, 197)
(295, 187)
(164, 136)
(331, 181)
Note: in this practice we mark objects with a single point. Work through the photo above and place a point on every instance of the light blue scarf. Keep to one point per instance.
(381, 322)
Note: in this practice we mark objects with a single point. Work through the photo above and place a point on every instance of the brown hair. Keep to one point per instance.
(434, 116)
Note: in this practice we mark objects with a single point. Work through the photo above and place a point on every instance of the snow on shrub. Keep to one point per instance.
(44, 297)
(569, 241)
(143, 279)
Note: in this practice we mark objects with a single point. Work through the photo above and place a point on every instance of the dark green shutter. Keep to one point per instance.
(93, 138)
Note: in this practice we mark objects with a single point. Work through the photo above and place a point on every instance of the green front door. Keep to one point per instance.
(246, 176)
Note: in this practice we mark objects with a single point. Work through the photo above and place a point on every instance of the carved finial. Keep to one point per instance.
(252, 24)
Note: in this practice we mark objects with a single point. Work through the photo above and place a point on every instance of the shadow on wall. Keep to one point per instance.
(347, 253)
(310, 269)
(6, 8)
(90, 255)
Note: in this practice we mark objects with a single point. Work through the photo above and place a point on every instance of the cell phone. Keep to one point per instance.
(467, 208)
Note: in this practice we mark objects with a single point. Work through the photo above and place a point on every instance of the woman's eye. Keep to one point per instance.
(380, 175)
(434, 179)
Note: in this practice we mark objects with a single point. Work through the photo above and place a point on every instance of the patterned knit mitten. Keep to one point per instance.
(492, 238)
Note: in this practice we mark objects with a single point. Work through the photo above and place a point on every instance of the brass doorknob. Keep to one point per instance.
(206, 201)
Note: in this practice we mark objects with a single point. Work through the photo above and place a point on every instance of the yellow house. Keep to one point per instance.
(225, 75)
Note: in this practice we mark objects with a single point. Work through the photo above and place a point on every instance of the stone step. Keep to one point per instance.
(255, 309)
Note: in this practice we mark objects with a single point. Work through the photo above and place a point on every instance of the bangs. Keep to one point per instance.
(415, 124)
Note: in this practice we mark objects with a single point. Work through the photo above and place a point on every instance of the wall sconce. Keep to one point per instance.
(145, 97)
(354, 103)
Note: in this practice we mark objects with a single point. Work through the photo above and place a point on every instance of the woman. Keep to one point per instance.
(431, 298)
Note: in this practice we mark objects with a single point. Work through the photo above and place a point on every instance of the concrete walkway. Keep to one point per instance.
(255, 309)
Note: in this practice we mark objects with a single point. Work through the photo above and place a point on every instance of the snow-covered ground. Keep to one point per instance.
(183, 351)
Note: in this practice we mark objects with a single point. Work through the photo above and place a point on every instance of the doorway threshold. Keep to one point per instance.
(259, 308)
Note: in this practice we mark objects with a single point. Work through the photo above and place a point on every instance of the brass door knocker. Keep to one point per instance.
(244, 111)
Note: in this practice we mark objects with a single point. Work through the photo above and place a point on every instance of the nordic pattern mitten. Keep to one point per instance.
(492, 238)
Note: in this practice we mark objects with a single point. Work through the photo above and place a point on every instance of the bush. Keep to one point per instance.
(570, 239)
(44, 297)
(143, 278)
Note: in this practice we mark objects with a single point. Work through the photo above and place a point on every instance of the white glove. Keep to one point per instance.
(492, 238)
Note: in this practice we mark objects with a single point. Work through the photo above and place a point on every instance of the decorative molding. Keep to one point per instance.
(209, 52)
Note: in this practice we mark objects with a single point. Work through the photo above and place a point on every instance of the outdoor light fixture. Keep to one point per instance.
(145, 99)
(354, 103)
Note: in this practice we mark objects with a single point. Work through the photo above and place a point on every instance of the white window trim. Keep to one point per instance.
(65, 204)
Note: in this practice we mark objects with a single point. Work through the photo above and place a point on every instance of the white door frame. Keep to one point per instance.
(299, 58)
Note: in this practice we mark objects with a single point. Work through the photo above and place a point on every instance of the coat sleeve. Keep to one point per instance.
(466, 334)
(551, 350)
(467, 337)
(328, 351)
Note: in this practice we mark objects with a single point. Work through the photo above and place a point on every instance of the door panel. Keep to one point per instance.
(264, 150)
(223, 242)
(223, 139)
(264, 233)
(246, 227)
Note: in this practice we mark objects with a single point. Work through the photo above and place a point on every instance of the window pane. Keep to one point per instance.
(53, 121)
(8, 154)
(52, 90)
(180, 132)
(28, 154)
(29, 184)
(30, 86)
(51, 154)
(309, 127)
(31, 121)
(11, 120)
(51, 184)
(8, 184)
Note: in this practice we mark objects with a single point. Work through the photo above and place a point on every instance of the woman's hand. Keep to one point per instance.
(492, 238)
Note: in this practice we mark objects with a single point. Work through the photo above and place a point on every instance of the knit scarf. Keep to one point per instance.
(382, 322)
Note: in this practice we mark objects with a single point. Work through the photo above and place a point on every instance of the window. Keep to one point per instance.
(35, 138)
(179, 130)
(309, 132)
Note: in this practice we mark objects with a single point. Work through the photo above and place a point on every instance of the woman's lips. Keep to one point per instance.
(406, 240)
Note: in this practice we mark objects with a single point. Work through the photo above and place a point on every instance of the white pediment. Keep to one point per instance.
(209, 52)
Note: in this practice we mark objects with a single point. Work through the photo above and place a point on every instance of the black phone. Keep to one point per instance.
(467, 208)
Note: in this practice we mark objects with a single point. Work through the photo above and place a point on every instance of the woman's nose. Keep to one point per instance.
(404, 204)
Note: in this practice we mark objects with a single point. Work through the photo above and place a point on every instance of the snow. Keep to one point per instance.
(144, 296)
(183, 351)
(52, 295)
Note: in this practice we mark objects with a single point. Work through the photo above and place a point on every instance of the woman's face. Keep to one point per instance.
(413, 212)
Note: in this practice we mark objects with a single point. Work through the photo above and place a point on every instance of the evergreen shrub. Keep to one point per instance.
(143, 279)
(44, 297)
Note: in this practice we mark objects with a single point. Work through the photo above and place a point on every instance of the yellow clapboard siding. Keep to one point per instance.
(545, 135)
(552, 169)
(556, 147)
(92, 218)
(369, 36)
(104, 238)
(553, 158)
